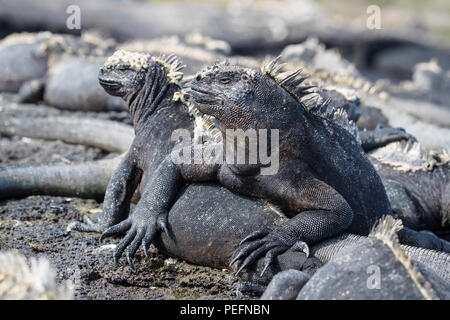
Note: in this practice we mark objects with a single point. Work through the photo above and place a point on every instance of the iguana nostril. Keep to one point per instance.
(198, 77)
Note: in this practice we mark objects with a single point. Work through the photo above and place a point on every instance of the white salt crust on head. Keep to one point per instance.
(137, 61)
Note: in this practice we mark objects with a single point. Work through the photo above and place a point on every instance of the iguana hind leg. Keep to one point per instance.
(381, 136)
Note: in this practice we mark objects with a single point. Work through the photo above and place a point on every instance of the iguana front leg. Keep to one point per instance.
(116, 204)
(151, 212)
(381, 136)
(323, 213)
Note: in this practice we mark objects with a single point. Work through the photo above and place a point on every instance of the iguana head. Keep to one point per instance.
(123, 73)
(240, 98)
(141, 79)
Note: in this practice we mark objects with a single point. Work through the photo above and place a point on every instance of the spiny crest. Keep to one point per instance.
(136, 60)
(314, 104)
(173, 64)
(225, 66)
(45, 41)
(407, 156)
(386, 231)
(18, 38)
(290, 81)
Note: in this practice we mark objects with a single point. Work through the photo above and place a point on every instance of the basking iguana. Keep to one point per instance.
(319, 141)
(417, 184)
(304, 172)
(348, 100)
(59, 69)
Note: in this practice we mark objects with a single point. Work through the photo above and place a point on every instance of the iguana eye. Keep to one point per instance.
(225, 80)
(244, 77)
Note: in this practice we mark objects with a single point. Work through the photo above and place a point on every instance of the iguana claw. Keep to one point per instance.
(88, 225)
(254, 235)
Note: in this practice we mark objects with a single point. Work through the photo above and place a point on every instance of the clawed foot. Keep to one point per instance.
(395, 134)
(140, 229)
(264, 243)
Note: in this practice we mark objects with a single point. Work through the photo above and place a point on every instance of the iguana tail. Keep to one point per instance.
(437, 261)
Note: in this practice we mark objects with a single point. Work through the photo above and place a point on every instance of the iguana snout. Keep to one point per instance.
(124, 73)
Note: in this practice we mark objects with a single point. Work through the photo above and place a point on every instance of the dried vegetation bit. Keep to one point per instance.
(33, 279)
(410, 157)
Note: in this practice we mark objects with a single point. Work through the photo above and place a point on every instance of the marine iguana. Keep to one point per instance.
(403, 168)
(376, 268)
(417, 184)
(148, 84)
(339, 213)
(320, 142)
(61, 69)
(395, 105)
(348, 100)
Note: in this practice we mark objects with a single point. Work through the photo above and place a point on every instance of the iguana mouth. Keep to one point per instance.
(200, 90)
(110, 84)
(202, 96)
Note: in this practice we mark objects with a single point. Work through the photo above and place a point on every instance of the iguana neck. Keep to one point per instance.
(144, 103)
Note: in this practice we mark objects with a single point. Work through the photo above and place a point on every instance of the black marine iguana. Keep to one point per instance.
(293, 192)
(328, 189)
(59, 69)
(149, 85)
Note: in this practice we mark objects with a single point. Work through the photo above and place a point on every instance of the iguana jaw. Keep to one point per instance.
(204, 101)
(110, 86)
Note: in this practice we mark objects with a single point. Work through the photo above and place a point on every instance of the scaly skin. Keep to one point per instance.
(91, 228)
(326, 189)
(318, 182)
(375, 268)
(148, 85)
(149, 93)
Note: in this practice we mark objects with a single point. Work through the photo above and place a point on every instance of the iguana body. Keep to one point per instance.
(392, 105)
(373, 268)
(59, 69)
(417, 185)
(300, 179)
(333, 197)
